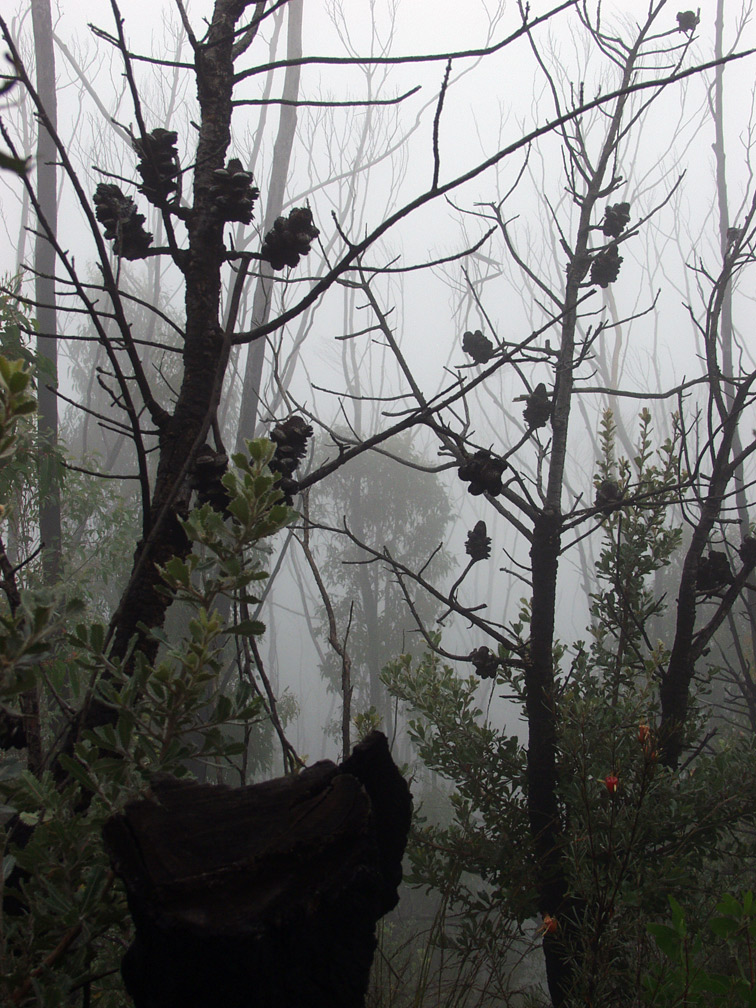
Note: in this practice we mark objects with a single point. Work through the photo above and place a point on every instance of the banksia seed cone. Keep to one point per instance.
(478, 544)
(483, 473)
(290, 439)
(616, 219)
(478, 346)
(158, 165)
(206, 475)
(122, 223)
(687, 21)
(232, 193)
(606, 266)
(485, 662)
(12, 731)
(537, 412)
(714, 573)
(289, 238)
(609, 496)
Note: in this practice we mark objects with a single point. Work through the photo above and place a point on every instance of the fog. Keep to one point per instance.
(666, 163)
(386, 338)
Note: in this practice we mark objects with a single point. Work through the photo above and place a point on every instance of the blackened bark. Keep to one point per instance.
(263, 895)
(674, 691)
(542, 772)
(205, 349)
(542, 749)
(690, 643)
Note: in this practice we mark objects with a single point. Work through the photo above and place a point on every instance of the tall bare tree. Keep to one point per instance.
(44, 279)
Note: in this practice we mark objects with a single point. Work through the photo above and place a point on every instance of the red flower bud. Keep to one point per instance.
(643, 733)
(612, 783)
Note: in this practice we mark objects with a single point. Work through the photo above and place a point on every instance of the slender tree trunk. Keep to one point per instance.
(261, 303)
(47, 345)
(44, 265)
(542, 775)
(726, 326)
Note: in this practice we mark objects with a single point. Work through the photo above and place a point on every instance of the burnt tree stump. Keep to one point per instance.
(264, 896)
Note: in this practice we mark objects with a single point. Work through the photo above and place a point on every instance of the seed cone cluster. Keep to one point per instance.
(606, 266)
(122, 222)
(687, 21)
(485, 662)
(289, 239)
(233, 194)
(158, 165)
(537, 412)
(290, 439)
(478, 544)
(616, 219)
(609, 496)
(207, 472)
(483, 473)
(714, 573)
(478, 346)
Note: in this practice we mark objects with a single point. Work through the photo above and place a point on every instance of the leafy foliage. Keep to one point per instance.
(633, 830)
(701, 964)
(169, 717)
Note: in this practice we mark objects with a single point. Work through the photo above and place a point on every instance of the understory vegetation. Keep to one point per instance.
(281, 464)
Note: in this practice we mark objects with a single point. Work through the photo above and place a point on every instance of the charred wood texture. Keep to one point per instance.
(543, 805)
(205, 350)
(263, 895)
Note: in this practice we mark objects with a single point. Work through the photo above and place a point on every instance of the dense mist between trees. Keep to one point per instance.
(387, 366)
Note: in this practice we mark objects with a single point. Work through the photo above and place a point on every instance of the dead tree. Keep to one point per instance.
(262, 895)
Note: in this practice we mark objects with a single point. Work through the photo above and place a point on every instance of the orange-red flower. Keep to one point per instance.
(549, 925)
(643, 733)
(612, 782)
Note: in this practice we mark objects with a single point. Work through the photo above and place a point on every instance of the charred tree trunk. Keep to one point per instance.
(690, 643)
(205, 348)
(542, 766)
(262, 895)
